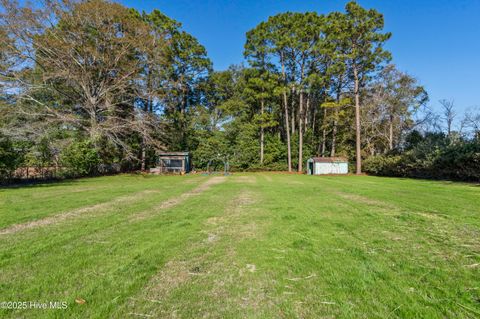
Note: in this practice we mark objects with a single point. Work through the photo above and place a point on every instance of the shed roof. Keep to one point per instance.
(173, 154)
(329, 160)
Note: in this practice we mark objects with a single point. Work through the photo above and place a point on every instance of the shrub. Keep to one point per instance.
(9, 158)
(459, 161)
(433, 157)
(80, 159)
(383, 165)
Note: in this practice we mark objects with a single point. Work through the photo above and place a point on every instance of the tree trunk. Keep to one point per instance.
(300, 133)
(358, 146)
(293, 114)
(334, 134)
(287, 127)
(307, 113)
(143, 158)
(335, 122)
(324, 133)
(262, 133)
(148, 107)
(314, 119)
(390, 134)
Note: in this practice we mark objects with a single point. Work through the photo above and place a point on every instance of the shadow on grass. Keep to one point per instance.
(54, 182)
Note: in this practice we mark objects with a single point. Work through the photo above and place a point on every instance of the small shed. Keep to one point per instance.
(173, 162)
(327, 165)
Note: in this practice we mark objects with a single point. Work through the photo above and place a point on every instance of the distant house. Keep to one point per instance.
(327, 165)
(173, 162)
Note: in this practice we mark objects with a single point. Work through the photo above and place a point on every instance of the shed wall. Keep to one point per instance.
(331, 168)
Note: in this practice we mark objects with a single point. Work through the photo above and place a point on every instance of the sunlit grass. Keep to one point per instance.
(253, 245)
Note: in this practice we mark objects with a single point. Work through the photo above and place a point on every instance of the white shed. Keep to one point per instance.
(327, 165)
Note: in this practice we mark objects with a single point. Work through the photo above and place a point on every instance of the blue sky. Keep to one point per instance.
(438, 42)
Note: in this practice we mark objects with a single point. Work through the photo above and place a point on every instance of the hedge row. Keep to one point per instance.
(434, 158)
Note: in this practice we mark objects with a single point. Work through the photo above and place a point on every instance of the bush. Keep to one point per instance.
(433, 157)
(459, 161)
(9, 158)
(80, 159)
(383, 165)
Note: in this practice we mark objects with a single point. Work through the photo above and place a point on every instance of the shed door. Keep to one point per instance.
(310, 168)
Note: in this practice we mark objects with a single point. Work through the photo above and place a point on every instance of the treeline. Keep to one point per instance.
(433, 155)
(93, 87)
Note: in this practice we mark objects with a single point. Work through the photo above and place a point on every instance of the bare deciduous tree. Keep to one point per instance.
(79, 65)
(448, 114)
(471, 120)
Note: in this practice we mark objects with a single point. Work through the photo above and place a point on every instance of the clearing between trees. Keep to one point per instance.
(247, 245)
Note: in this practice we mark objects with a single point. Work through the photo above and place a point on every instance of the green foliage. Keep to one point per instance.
(459, 161)
(80, 158)
(136, 83)
(246, 147)
(10, 158)
(212, 151)
(275, 153)
(383, 165)
(360, 31)
(434, 156)
(337, 104)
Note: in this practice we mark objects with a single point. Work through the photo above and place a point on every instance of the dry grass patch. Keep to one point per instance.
(98, 208)
(250, 179)
(234, 223)
(364, 200)
(268, 178)
(210, 264)
(172, 202)
(69, 190)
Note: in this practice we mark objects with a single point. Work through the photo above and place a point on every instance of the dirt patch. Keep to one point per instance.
(431, 215)
(235, 222)
(244, 199)
(169, 203)
(123, 200)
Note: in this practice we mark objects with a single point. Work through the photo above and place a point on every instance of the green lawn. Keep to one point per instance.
(247, 245)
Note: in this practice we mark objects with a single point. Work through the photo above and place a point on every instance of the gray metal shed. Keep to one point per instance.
(173, 162)
(327, 165)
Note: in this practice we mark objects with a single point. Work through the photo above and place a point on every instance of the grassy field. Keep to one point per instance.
(247, 245)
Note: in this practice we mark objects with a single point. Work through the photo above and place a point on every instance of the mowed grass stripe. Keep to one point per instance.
(179, 199)
(81, 212)
(353, 250)
(436, 197)
(109, 206)
(210, 278)
(21, 205)
(64, 257)
(301, 246)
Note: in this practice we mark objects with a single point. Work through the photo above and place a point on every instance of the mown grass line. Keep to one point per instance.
(192, 283)
(217, 278)
(21, 205)
(52, 262)
(351, 244)
(300, 247)
(435, 197)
